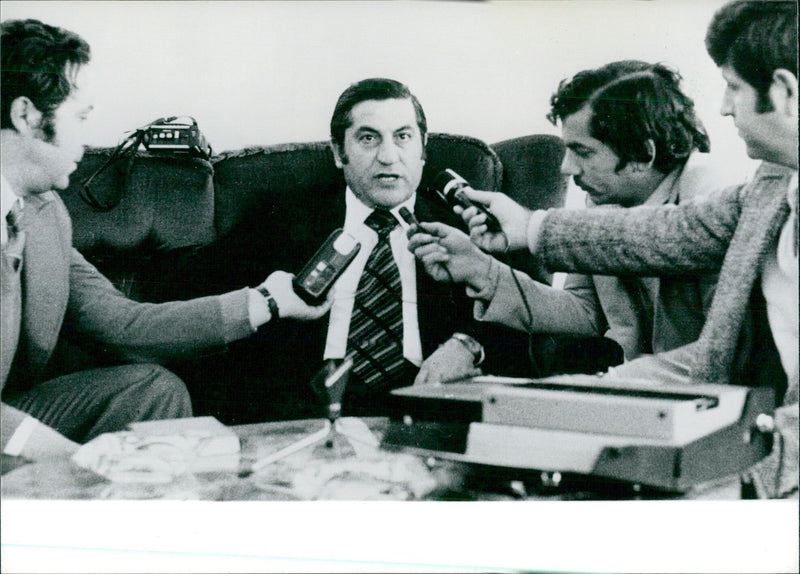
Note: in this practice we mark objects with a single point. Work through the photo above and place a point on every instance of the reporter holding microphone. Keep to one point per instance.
(747, 233)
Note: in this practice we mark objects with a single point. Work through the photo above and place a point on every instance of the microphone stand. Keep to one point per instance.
(329, 383)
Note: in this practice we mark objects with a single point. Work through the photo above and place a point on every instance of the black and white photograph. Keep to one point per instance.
(399, 286)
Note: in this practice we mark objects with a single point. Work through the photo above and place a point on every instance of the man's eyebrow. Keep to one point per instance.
(361, 129)
(576, 146)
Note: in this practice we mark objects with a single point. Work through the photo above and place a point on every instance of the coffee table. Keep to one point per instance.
(337, 467)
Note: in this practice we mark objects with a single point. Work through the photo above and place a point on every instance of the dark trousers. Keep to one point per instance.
(85, 404)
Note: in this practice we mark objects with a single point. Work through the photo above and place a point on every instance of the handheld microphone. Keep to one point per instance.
(450, 186)
(408, 217)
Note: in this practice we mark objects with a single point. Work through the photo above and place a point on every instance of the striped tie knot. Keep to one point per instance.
(382, 222)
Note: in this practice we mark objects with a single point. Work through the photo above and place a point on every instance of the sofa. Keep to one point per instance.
(151, 224)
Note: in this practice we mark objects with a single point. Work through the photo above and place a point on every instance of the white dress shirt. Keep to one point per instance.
(344, 290)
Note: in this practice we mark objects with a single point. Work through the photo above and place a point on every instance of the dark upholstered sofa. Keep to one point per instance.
(162, 215)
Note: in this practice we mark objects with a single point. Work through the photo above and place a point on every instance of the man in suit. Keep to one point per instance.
(378, 136)
(748, 233)
(632, 138)
(51, 293)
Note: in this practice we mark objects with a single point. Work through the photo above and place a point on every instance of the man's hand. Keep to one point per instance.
(512, 216)
(448, 254)
(450, 361)
(290, 306)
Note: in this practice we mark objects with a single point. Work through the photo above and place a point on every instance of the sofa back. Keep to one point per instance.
(245, 179)
(165, 207)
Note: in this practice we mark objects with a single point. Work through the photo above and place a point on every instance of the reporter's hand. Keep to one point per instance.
(512, 216)
(290, 306)
(450, 361)
(448, 254)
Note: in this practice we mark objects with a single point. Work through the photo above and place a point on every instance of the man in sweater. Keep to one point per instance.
(748, 233)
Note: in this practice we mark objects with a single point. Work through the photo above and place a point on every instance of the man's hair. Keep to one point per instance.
(755, 38)
(35, 58)
(632, 102)
(371, 89)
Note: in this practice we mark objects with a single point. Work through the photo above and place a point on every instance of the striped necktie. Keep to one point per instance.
(376, 327)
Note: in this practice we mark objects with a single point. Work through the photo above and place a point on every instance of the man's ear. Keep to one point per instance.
(339, 157)
(425, 147)
(25, 117)
(651, 152)
(783, 92)
(642, 166)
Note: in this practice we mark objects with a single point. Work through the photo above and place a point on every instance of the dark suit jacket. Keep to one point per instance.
(267, 376)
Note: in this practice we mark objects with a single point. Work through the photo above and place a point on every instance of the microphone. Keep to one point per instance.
(450, 186)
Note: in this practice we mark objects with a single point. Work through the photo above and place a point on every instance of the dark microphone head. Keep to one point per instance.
(447, 183)
(450, 186)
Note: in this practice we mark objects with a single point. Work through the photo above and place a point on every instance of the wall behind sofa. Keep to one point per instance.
(270, 72)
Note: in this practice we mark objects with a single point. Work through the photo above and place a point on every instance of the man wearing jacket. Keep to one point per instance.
(50, 292)
(748, 233)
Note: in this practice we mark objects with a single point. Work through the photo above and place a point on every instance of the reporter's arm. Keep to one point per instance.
(668, 240)
(448, 255)
(574, 310)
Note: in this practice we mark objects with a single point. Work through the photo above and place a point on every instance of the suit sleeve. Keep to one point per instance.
(668, 240)
(149, 331)
(574, 310)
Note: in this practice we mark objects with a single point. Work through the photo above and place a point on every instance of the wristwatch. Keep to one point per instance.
(271, 303)
(472, 346)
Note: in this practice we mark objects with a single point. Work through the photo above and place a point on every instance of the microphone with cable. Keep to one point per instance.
(450, 186)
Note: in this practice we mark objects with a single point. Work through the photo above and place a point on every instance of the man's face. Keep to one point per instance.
(592, 164)
(55, 157)
(758, 130)
(382, 152)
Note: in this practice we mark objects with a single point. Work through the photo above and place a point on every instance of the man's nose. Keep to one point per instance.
(388, 152)
(726, 109)
(569, 166)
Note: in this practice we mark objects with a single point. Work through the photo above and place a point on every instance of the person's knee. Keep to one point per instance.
(167, 394)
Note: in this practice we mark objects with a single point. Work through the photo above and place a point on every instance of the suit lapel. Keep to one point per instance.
(10, 274)
(763, 213)
(45, 280)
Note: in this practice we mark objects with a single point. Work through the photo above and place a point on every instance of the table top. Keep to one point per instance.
(347, 463)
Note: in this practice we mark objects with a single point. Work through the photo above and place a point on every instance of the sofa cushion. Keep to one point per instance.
(166, 202)
(160, 206)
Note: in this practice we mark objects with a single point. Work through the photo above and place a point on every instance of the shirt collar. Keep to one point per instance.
(357, 211)
(667, 190)
(7, 197)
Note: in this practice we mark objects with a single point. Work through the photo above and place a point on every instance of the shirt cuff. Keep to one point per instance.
(20, 437)
(257, 309)
(534, 229)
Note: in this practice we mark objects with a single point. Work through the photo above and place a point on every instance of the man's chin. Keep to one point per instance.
(388, 198)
